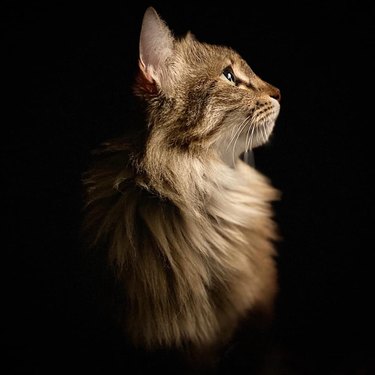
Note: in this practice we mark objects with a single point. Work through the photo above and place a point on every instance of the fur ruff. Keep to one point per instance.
(193, 249)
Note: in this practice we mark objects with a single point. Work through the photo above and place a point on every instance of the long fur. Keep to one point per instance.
(189, 237)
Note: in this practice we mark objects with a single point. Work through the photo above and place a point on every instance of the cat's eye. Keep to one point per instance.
(229, 75)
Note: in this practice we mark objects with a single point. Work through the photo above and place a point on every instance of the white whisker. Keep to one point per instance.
(243, 125)
(240, 129)
(250, 145)
(248, 135)
(232, 136)
(264, 131)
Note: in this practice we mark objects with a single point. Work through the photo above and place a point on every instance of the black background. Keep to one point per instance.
(68, 71)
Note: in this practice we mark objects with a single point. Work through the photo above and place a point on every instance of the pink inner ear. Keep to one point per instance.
(155, 45)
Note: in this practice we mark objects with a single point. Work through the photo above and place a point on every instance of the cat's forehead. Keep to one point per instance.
(219, 56)
(237, 62)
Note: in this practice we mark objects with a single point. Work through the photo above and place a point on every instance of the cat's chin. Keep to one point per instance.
(262, 134)
(230, 153)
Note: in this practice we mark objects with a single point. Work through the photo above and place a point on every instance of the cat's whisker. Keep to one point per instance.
(232, 136)
(249, 145)
(236, 140)
(248, 136)
(239, 132)
(249, 133)
(264, 131)
(260, 132)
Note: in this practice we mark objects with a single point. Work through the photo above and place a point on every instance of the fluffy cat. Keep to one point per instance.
(187, 225)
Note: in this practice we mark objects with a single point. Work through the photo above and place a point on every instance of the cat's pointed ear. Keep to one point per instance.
(155, 45)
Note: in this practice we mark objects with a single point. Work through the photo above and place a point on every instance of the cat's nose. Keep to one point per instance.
(275, 93)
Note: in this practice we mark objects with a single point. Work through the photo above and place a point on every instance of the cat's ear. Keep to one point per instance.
(155, 45)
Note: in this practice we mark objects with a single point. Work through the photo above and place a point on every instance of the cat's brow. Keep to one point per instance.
(241, 77)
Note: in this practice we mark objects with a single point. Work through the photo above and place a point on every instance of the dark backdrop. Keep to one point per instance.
(68, 71)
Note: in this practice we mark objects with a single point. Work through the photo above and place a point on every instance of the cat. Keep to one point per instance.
(187, 225)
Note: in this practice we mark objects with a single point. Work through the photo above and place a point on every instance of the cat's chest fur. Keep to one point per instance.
(194, 259)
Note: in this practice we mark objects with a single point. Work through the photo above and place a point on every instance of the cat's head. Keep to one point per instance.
(202, 96)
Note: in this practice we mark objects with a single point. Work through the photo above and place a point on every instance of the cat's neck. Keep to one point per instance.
(190, 180)
(185, 178)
